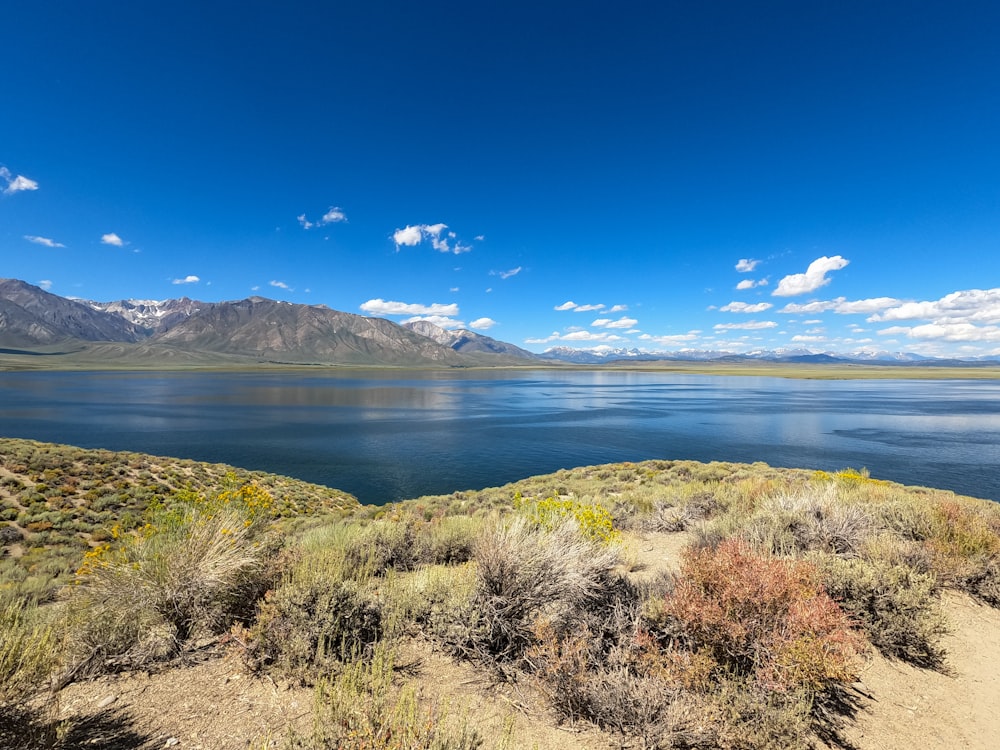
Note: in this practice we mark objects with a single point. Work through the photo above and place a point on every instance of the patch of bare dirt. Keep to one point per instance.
(211, 706)
(511, 714)
(920, 708)
(653, 553)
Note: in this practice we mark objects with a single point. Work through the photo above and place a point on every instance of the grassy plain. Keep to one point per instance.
(143, 357)
(662, 604)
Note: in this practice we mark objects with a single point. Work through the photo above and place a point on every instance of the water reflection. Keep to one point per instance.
(385, 435)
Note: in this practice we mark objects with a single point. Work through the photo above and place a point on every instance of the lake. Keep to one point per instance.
(389, 435)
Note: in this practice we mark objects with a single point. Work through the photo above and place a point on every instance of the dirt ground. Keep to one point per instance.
(214, 705)
(921, 708)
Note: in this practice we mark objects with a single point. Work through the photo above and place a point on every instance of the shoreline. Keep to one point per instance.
(847, 371)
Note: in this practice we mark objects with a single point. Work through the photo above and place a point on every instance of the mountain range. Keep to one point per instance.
(185, 331)
(256, 330)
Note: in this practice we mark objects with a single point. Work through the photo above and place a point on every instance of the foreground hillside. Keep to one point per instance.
(664, 604)
(58, 501)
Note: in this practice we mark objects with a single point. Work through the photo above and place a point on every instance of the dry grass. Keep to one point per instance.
(190, 572)
(791, 575)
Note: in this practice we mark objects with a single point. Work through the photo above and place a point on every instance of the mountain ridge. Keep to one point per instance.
(256, 330)
(253, 330)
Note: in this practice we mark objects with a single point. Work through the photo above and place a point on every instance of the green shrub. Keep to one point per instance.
(28, 651)
(748, 717)
(893, 604)
(435, 599)
(306, 627)
(593, 520)
(360, 709)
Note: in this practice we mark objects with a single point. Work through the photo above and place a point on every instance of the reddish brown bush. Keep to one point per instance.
(758, 616)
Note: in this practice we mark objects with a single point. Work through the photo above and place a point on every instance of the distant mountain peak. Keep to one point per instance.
(31, 316)
(466, 341)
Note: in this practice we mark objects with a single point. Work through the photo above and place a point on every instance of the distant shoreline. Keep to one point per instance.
(51, 362)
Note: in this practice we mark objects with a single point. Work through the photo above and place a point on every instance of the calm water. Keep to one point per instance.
(387, 436)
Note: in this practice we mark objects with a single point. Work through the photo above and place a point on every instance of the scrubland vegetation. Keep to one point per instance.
(751, 638)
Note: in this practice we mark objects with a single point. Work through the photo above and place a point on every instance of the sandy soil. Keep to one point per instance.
(920, 708)
(215, 706)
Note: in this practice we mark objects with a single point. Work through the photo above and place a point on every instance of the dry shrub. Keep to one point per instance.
(905, 519)
(677, 515)
(893, 604)
(405, 542)
(612, 691)
(452, 539)
(322, 614)
(525, 574)
(361, 709)
(966, 549)
(435, 599)
(189, 573)
(387, 544)
(818, 520)
(28, 650)
(751, 718)
(759, 617)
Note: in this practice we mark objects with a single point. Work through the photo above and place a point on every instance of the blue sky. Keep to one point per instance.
(661, 175)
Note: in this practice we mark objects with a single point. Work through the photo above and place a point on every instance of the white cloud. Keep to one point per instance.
(753, 325)
(622, 322)
(618, 308)
(384, 307)
(950, 332)
(410, 236)
(589, 336)
(841, 306)
(507, 274)
(45, 284)
(814, 277)
(894, 331)
(751, 284)
(479, 237)
(802, 339)
(280, 285)
(16, 184)
(746, 265)
(576, 336)
(333, 215)
(112, 239)
(588, 308)
(743, 307)
(971, 306)
(671, 340)
(453, 289)
(570, 305)
(482, 324)
(43, 241)
(186, 280)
